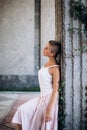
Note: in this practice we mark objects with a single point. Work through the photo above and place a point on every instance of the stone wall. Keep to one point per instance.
(16, 37)
(25, 27)
(17, 45)
(74, 71)
(47, 24)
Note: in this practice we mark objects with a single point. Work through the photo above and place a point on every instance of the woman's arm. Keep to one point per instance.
(56, 77)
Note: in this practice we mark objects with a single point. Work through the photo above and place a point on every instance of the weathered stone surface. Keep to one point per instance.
(15, 82)
(47, 24)
(16, 37)
(68, 68)
(75, 65)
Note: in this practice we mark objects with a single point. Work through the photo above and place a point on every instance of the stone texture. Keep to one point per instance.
(75, 74)
(47, 24)
(15, 82)
(68, 68)
(16, 37)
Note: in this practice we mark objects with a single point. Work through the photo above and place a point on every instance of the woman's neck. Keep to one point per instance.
(51, 61)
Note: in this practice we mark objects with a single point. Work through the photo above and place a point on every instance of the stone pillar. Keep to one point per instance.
(67, 67)
(75, 74)
(58, 20)
(47, 23)
(84, 79)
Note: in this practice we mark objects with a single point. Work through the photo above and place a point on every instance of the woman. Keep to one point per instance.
(40, 113)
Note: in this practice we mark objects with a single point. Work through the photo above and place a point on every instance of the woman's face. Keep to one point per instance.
(47, 50)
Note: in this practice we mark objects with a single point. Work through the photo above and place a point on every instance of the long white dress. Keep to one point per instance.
(31, 115)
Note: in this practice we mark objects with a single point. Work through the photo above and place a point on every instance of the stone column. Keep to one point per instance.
(58, 19)
(47, 24)
(75, 74)
(67, 67)
(84, 79)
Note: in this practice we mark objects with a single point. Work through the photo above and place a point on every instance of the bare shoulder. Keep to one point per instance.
(54, 70)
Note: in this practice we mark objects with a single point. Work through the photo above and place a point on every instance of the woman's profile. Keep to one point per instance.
(41, 113)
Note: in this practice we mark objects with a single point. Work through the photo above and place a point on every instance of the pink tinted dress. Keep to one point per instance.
(31, 115)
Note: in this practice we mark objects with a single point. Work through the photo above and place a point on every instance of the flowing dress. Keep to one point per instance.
(31, 115)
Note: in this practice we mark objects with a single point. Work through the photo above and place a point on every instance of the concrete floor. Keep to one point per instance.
(7, 101)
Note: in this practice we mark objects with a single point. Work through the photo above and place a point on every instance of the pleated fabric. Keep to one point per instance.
(31, 115)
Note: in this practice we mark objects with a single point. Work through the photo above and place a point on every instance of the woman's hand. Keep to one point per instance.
(48, 115)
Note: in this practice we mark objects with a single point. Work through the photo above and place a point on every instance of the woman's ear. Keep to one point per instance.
(52, 53)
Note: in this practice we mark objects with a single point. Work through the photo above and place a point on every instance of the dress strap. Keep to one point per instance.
(52, 66)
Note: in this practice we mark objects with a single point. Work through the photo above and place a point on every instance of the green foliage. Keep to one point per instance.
(83, 48)
(86, 87)
(79, 11)
(61, 121)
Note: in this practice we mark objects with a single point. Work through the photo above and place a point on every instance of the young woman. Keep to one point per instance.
(41, 113)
